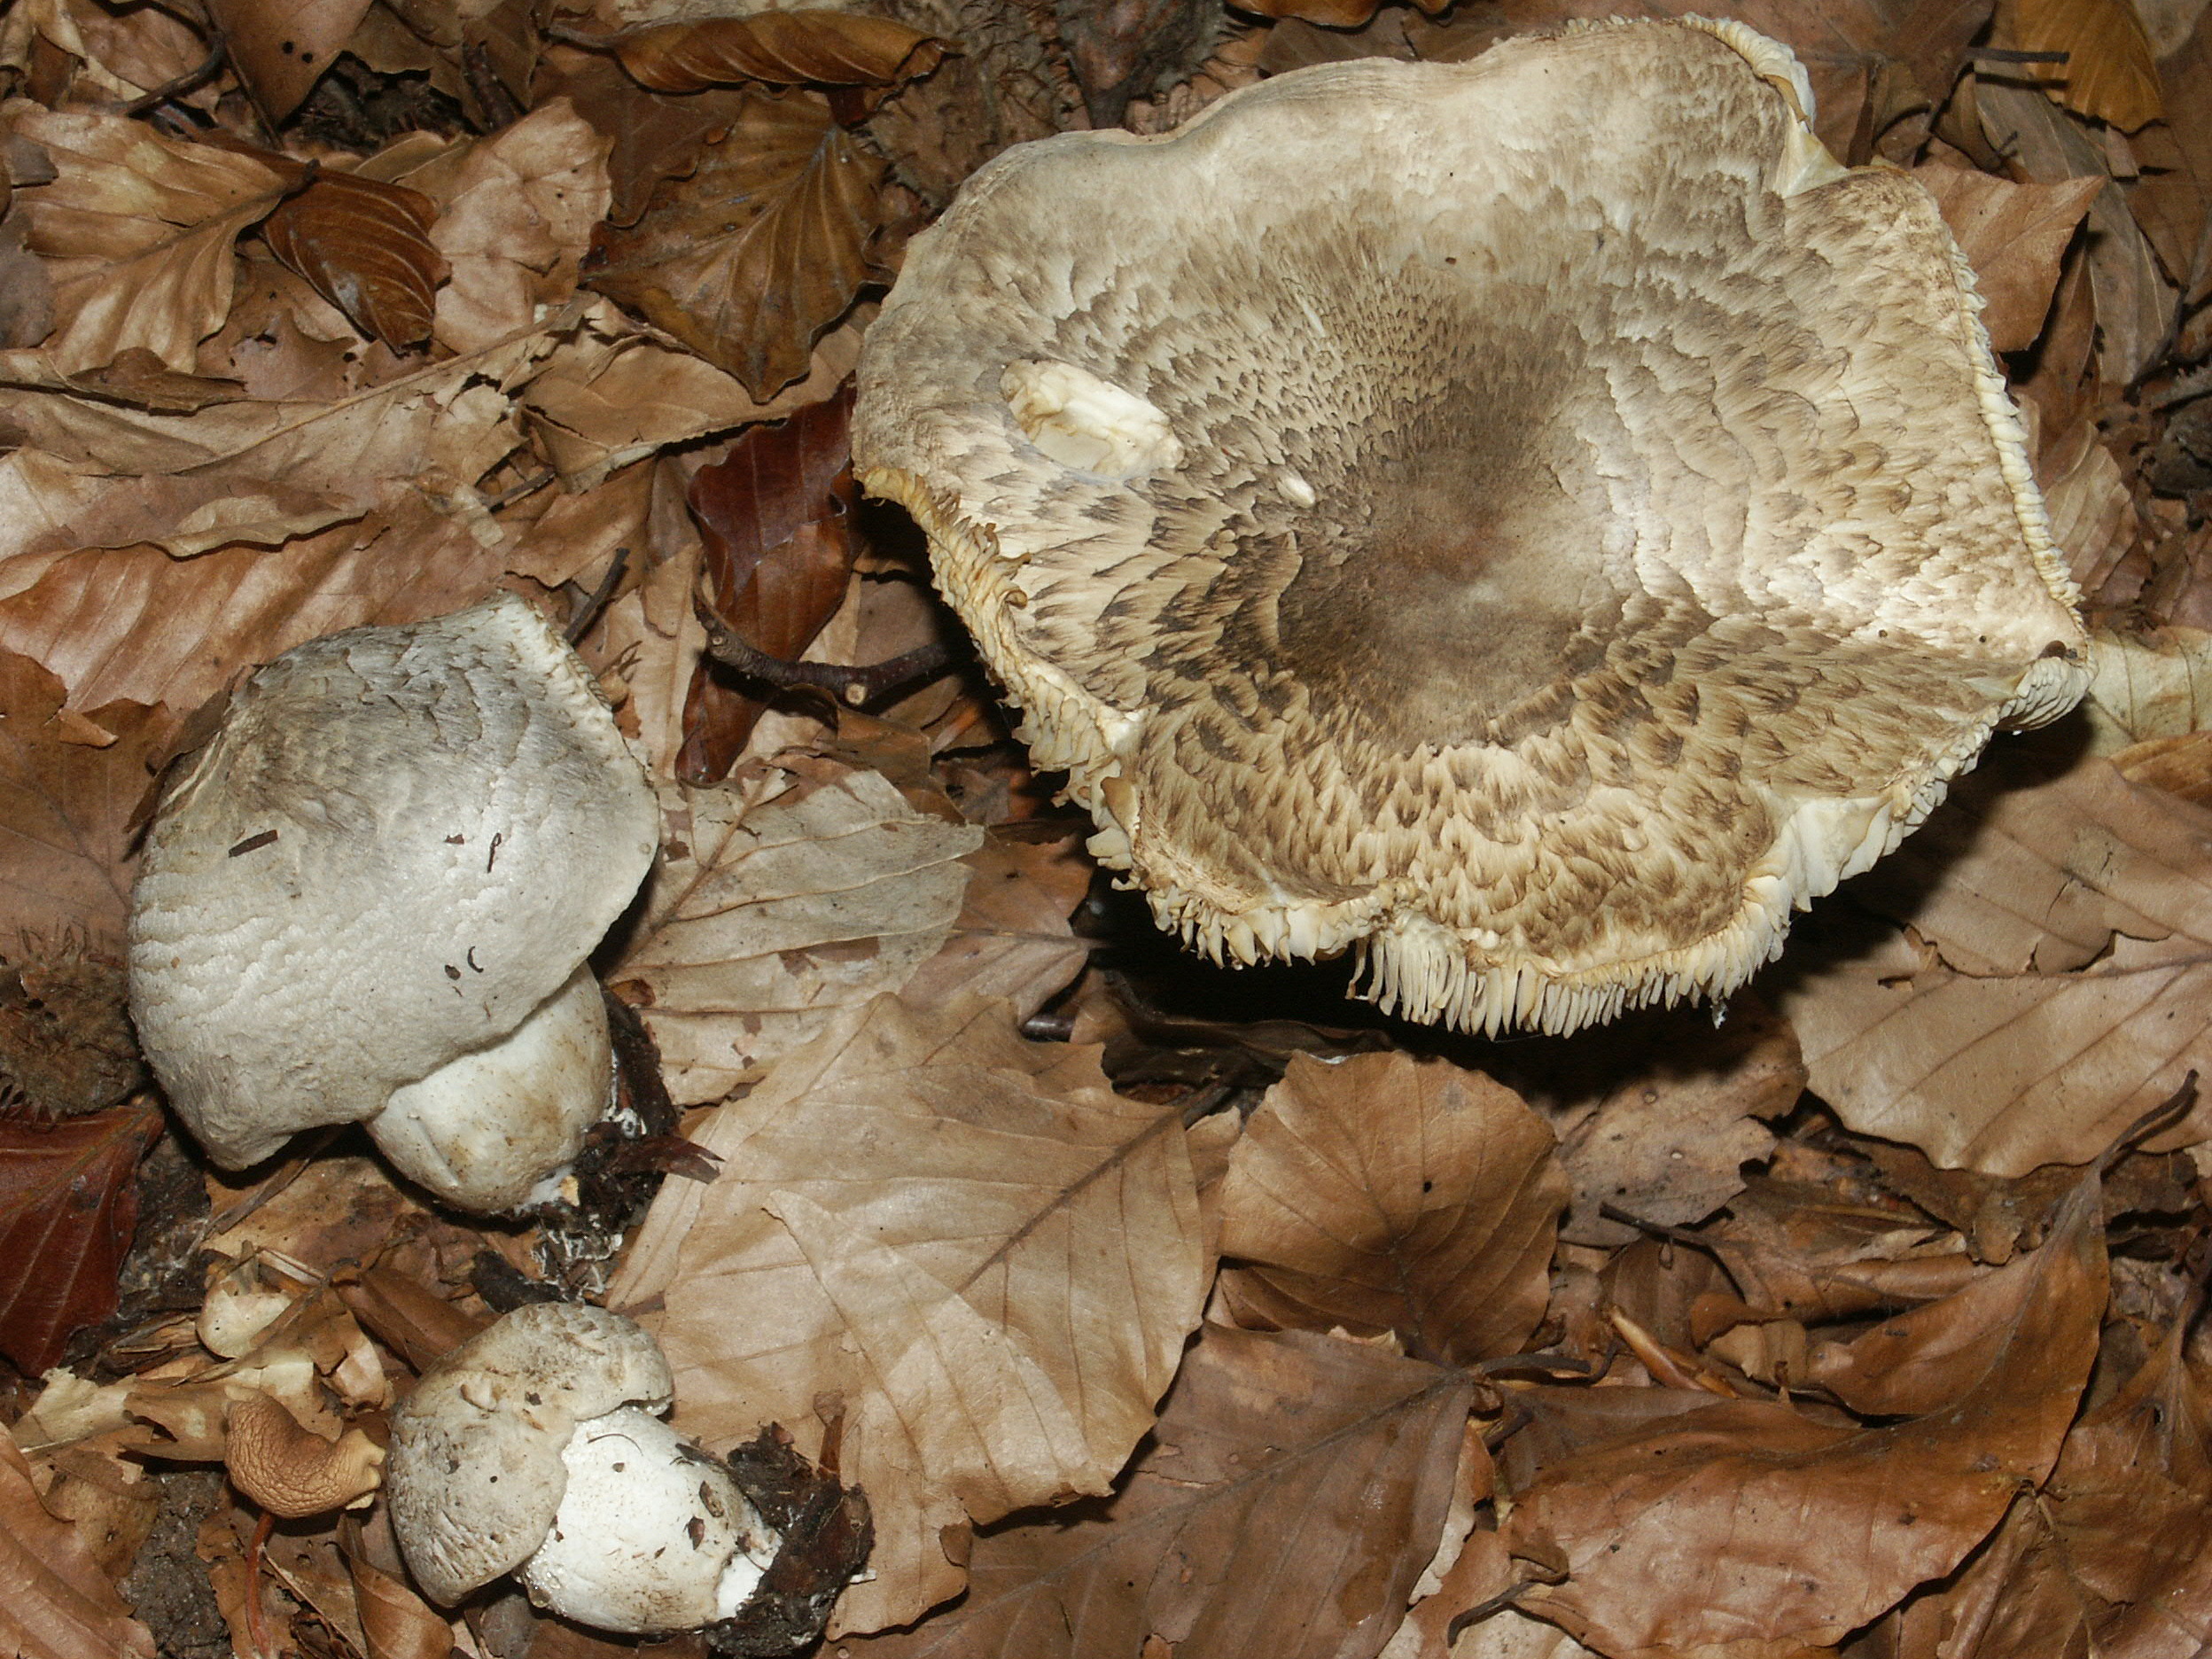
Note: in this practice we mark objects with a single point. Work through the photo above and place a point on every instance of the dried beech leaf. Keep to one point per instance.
(66, 807)
(1742, 1523)
(2012, 235)
(2071, 922)
(136, 229)
(609, 396)
(987, 1256)
(1288, 1496)
(2110, 73)
(1379, 1193)
(68, 1200)
(1011, 938)
(365, 248)
(800, 47)
(516, 214)
(2092, 513)
(2133, 299)
(776, 517)
(768, 915)
(55, 1602)
(2150, 685)
(281, 48)
(750, 259)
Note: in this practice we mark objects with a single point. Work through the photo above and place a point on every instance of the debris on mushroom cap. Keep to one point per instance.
(1538, 521)
(476, 1474)
(395, 855)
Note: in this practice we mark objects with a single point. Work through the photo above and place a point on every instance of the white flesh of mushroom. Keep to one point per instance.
(651, 1535)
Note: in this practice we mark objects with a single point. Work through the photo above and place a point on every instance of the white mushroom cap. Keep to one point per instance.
(476, 1473)
(1539, 521)
(650, 1536)
(400, 847)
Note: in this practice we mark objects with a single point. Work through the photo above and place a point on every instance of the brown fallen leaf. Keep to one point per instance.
(281, 48)
(2070, 918)
(66, 806)
(2011, 234)
(805, 46)
(1011, 938)
(1748, 1523)
(775, 909)
(68, 1200)
(136, 232)
(753, 257)
(2108, 73)
(516, 214)
(365, 246)
(776, 517)
(994, 1270)
(1658, 1114)
(55, 1602)
(1381, 1193)
(1290, 1493)
(1331, 13)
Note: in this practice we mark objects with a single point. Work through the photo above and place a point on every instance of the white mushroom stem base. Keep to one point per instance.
(651, 1535)
(497, 1129)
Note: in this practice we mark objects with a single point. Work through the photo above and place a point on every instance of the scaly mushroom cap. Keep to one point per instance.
(1538, 519)
(476, 1474)
(400, 846)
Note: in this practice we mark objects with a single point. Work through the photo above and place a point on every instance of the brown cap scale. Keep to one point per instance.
(371, 897)
(1537, 521)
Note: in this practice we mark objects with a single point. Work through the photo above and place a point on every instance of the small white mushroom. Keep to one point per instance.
(371, 897)
(534, 1448)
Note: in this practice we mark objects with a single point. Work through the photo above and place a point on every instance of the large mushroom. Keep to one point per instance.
(372, 896)
(1539, 521)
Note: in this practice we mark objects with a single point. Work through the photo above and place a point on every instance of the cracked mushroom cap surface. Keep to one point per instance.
(476, 1473)
(400, 844)
(1537, 521)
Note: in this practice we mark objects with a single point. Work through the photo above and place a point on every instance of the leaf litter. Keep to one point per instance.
(1156, 1310)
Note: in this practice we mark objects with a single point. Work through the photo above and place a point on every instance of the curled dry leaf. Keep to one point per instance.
(990, 1259)
(2145, 685)
(1287, 1501)
(1730, 1525)
(136, 230)
(2070, 923)
(68, 1200)
(55, 1602)
(772, 911)
(801, 47)
(1378, 1193)
(365, 246)
(753, 256)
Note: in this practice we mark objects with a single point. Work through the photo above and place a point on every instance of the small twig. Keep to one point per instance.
(2013, 55)
(588, 613)
(856, 688)
(1657, 1229)
(1482, 1610)
(256, 1629)
(514, 493)
(191, 81)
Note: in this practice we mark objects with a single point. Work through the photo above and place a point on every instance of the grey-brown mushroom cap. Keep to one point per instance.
(400, 842)
(475, 1475)
(1537, 521)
